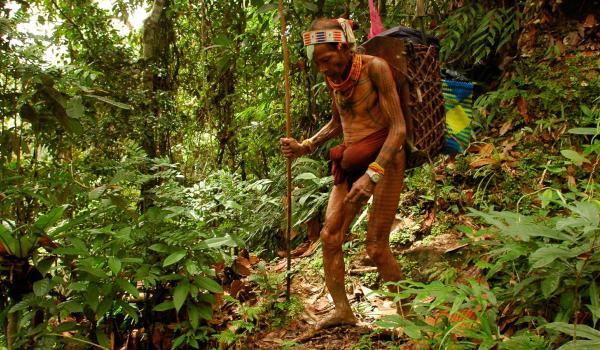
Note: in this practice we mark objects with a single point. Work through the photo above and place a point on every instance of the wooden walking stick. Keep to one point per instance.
(421, 14)
(288, 132)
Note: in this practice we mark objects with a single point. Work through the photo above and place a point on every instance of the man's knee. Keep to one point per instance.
(378, 252)
(332, 239)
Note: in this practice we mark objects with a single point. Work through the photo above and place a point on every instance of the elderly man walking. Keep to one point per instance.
(371, 160)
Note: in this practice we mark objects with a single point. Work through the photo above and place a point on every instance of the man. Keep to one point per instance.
(370, 161)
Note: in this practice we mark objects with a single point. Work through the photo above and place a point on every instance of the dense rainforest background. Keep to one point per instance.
(142, 190)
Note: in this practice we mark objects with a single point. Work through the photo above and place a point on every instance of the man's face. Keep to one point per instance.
(332, 62)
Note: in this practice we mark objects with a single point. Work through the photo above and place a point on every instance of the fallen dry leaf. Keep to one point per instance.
(310, 251)
(590, 21)
(242, 266)
(478, 163)
(486, 149)
(253, 260)
(505, 128)
(522, 106)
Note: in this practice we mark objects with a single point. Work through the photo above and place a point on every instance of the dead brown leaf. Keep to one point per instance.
(311, 249)
(486, 149)
(242, 267)
(478, 163)
(505, 128)
(253, 260)
(590, 21)
(522, 106)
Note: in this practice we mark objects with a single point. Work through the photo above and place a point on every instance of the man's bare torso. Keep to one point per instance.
(361, 114)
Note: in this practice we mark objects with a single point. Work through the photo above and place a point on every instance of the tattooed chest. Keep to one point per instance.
(362, 103)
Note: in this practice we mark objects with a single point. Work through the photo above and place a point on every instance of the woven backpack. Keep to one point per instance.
(413, 58)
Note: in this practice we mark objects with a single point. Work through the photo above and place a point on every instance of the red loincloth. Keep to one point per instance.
(350, 163)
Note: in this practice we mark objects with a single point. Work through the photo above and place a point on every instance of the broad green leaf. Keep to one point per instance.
(222, 40)
(75, 107)
(44, 265)
(589, 212)
(7, 240)
(178, 341)
(580, 330)
(546, 255)
(22, 305)
(174, 258)
(70, 251)
(180, 294)
(44, 222)
(550, 284)
(160, 247)
(71, 306)
(205, 311)
(25, 245)
(130, 309)
(208, 284)
(115, 265)
(584, 131)
(194, 315)
(128, 287)
(207, 297)
(164, 306)
(267, 7)
(191, 267)
(41, 287)
(103, 339)
(96, 192)
(574, 156)
(65, 327)
(310, 6)
(94, 271)
(110, 102)
(218, 242)
(79, 286)
(581, 345)
(594, 293)
(105, 305)
(91, 296)
(305, 176)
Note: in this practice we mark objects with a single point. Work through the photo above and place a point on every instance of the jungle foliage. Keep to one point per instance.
(137, 163)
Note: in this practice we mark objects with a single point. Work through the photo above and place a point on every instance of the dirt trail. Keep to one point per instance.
(368, 305)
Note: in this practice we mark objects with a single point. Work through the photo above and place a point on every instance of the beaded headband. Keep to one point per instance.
(324, 36)
(343, 35)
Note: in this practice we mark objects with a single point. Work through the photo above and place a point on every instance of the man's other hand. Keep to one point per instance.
(361, 190)
(291, 148)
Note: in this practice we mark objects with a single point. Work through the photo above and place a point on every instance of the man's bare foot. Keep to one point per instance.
(337, 319)
(332, 321)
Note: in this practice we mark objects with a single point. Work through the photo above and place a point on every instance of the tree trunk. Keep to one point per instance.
(158, 80)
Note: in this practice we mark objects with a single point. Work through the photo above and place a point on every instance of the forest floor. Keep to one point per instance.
(419, 259)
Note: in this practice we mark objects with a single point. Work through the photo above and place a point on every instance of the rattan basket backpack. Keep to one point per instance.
(413, 59)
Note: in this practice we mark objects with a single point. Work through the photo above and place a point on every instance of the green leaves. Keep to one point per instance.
(591, 335)
(44, 222)
(41, 287)
(208, 284)
(128, 287)
(180, 294)
(110, 101)
(174, 258)
(574, 157)
(396, 321)
(546, 255)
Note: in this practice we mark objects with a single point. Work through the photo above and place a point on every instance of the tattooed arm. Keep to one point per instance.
(292, 148)
(391, 111)
(330, 130)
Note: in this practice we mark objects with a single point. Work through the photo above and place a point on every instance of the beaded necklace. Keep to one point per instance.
(344, 90)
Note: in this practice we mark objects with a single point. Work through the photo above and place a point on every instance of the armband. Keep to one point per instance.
(377, 168)
(308, 143)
